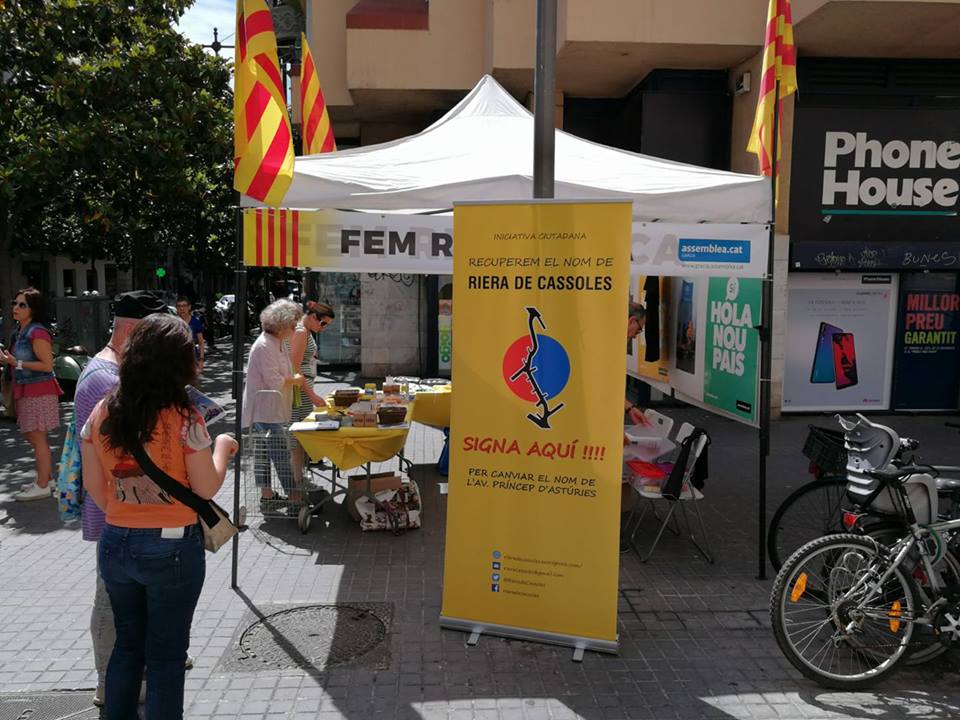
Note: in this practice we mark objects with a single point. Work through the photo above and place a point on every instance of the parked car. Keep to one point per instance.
(223, 316)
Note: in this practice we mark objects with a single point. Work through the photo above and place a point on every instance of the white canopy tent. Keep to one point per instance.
(483, 150)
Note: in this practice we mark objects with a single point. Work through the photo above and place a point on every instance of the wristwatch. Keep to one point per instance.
(19, 364)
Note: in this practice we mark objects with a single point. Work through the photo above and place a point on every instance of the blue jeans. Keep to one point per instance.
(154, 584)
(271, 444)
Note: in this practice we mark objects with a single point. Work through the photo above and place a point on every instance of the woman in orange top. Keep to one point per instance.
(151, 553)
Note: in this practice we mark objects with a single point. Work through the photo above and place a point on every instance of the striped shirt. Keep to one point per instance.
(97, 380)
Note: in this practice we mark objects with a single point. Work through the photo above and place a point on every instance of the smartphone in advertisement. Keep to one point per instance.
(209, 410)
(844, 360)
(822, 370)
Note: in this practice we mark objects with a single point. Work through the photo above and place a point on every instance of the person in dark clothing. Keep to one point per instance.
(635, 322)
(185, 313)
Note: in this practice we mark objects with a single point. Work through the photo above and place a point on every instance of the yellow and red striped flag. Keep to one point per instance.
(271, 238)
(779, 64)
(263, 141)
(317, 131)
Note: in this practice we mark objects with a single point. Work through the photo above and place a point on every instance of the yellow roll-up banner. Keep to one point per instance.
(539, 330)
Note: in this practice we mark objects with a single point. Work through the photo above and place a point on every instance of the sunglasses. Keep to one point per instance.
(14, 303)
(324, 323)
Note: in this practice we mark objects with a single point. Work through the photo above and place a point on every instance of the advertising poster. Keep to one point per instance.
(715, 345)
(927, 373)
(733, 346)
(537, 421)
(840, 332)
(444, 325)
(686, 333)
(648, 328)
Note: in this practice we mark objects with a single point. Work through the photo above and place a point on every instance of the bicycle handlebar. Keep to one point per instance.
(902, 473)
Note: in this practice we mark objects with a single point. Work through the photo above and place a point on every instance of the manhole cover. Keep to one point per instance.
(313, 637)
(48, 706)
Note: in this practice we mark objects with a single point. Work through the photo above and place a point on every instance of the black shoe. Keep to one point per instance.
(624, 545)
(273, 505)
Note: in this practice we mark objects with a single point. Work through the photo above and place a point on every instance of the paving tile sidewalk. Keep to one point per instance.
(695, 638)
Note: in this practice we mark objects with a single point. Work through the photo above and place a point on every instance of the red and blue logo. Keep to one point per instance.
(536, 368)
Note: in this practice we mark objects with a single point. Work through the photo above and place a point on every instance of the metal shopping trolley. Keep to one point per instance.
(277, 479)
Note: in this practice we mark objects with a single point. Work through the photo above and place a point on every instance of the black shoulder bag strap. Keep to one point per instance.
(673, 486)
(176, 490)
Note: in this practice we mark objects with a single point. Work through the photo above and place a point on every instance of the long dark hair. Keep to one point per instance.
(157, 364)
(37, 302)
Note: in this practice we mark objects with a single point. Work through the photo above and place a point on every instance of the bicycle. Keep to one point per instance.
(845, 607)
(816, 508)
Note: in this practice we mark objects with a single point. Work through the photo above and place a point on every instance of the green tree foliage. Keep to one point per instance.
(115, 133)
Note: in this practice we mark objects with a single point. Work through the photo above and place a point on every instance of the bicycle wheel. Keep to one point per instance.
(925, 645)
(809, 512)
(829, 621)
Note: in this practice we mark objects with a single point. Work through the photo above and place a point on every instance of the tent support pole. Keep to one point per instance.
(766, 350)
(544, 85)
(239, 316)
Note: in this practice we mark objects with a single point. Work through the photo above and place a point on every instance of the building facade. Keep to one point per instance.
(867, 243)
(59, 276)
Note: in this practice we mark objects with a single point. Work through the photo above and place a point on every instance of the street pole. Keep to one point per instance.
(239, 316)
(766, 349)
(544, 84)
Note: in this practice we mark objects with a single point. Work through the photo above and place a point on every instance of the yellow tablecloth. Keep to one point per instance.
(351, 447)
(432, 408)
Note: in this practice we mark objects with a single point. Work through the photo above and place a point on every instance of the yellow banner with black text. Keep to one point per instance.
(539, 328)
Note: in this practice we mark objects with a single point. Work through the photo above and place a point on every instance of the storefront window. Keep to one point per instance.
(927, 358)
(340, 343)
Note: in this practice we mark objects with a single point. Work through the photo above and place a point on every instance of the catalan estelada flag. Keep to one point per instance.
(779, 64)
(263, 141)
(317, 131)
(271, 238)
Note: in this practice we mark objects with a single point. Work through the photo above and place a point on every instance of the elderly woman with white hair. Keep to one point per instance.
(267, 400)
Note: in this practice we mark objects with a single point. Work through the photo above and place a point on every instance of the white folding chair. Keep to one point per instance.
(686, 493)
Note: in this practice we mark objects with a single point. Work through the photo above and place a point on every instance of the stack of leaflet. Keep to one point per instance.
(315, 425)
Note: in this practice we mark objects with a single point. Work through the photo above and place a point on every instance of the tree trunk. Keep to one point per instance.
(7, 280)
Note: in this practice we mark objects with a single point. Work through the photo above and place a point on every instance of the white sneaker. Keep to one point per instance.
(52, 486)
(98, 696)
(34, 492)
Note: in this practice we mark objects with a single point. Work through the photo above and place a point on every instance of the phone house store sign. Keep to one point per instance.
(875, 189)
(856, 185)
